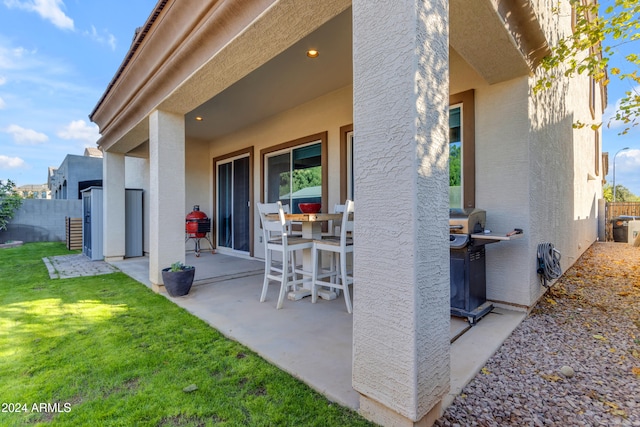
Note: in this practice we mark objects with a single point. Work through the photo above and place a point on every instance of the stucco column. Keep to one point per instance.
(401, 261)
(113, 217)
(166, 193)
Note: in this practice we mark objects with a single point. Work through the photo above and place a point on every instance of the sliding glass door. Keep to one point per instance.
(233, 208)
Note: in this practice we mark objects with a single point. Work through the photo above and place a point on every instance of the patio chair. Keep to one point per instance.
(335, 225)
(290, 224)
(275, 234)
(339, 246)
(335, 231)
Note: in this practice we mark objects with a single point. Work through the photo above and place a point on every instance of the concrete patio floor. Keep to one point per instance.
(312, 342)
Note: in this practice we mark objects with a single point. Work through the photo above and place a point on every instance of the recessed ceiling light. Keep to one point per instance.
(312, 53)
(198, 118)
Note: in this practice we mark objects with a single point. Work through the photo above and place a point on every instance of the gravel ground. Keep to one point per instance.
(574, 361)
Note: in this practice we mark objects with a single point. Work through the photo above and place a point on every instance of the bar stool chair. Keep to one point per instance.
(276, 238)
(339, 246)
(335, 225)
(290, 230)
(335, 231)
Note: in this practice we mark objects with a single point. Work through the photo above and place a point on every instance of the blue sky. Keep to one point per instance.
(628, 161)
(57, 57)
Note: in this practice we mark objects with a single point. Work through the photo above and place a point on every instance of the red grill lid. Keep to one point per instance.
(196, 214)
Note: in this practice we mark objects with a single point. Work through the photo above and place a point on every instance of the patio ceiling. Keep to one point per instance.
(228, 96)
(287, 80)
(291, 78)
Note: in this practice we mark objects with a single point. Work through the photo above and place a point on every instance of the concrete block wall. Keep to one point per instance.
(40, 220)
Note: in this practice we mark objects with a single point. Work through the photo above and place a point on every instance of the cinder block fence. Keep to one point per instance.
(41, 220)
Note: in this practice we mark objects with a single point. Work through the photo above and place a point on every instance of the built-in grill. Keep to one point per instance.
(467, 263)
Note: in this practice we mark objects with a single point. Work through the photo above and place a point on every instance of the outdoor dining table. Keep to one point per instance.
(311, 229)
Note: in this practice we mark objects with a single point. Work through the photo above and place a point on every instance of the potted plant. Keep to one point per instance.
(178, 279)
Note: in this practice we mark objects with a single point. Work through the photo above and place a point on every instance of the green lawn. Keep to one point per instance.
(107, 351)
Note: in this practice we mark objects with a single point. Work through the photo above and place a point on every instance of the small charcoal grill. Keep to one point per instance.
(467, 263)
(198, 226)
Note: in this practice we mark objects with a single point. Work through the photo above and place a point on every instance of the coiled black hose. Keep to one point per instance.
(548, 262)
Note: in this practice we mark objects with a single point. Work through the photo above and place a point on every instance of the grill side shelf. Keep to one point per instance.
(496, 236)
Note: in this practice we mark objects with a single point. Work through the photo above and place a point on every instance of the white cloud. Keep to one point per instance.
(3, 104)
(26, 136)
(608, 116)
(628, 170)
(105, 38)
(49, 10)
(40, 76)
(111, 40)
(628, 161)
(7, 162)
(15, 59)
(3, 80)
(81, 131)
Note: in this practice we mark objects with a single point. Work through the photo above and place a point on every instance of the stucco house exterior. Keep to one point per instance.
(34, 191)
(74, 174)
(216, 99)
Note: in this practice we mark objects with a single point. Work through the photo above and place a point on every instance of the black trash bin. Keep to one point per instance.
(621, 227)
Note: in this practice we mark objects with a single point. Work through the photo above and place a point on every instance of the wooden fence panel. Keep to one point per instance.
(73, 227)
(617, 209)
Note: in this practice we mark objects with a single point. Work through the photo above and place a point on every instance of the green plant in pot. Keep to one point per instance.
(178, 279)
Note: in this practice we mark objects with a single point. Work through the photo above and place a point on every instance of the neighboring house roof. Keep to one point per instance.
(75, 168)
(305, 193)
(92, 152)
(32, 189)
(51, 173)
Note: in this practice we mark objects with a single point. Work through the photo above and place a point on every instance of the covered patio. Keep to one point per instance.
(312, 342)
(222, 105)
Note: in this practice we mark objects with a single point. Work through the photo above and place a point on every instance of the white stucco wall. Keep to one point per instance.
(565, 185)
(198, 165)
(167, 185)
(401, 261)
(535, 172)
(502, 184)
(113, 206)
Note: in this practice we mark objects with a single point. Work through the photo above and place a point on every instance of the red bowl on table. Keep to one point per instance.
(309, 207)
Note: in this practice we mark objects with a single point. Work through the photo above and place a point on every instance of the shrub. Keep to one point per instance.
(10, 201)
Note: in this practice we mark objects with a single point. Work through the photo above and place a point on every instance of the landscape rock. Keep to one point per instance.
(595, 325)
(567, 371)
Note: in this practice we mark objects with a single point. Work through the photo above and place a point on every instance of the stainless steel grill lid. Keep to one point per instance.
(467, 221)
